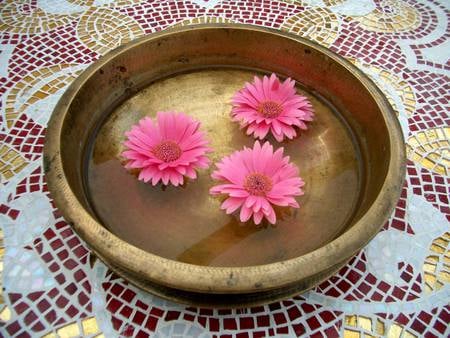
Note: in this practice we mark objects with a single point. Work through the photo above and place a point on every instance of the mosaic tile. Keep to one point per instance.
(87, 327)
(102, 29)
(437, 265)
(26, 137)
(391, 16)
(54, 287)
(24, 17)
(11, 162)
(318, 24)
(435, 188)
(398, 92)
(203, 20)
(37, 92)
(263, 13)
(56, 48)
(84, 4)
(403, 90)
(431, 149)
(361, 326)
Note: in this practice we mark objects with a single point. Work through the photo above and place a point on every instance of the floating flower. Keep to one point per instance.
(269, 105)
(167, 150)
(255, 179)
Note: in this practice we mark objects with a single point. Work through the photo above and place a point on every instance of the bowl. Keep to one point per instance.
(175, 242)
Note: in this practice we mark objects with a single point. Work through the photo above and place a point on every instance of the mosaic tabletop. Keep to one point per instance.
(398, 286)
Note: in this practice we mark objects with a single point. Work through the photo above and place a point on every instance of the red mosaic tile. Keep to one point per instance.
(13, 328)
(246, 323)
(313, 323)
(151, 323)
(172, 315)
(230, 323)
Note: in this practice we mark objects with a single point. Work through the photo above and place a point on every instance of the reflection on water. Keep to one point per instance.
(186, 223)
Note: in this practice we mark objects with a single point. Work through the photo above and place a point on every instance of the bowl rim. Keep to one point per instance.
(207, 279)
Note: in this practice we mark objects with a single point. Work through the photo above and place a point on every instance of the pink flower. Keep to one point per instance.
(167, 150)
(269, 105)
(255, 179)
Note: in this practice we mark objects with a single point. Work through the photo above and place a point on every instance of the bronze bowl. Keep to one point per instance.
(175, 242)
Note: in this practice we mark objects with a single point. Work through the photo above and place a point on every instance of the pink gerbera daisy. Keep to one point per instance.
(254, 179)
(167, 150)
(269, 105)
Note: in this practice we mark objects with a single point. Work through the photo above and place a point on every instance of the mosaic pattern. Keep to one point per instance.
(400, 89)
(318, 24)
(23, 17)
(437, 265)
(87, 327)
(103, 29)
(11, 162)
(391, 16)
(52, 286)
(431, 149)
(203, 20)
(398, 92)
(361, 326)
(32, 94)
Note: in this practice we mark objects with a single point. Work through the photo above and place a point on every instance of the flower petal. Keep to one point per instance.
(257, 217)
(231, 204)
(245, 214)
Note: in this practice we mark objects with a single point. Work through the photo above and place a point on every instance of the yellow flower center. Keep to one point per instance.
(258, 184)
(270, 109)
(167, 151)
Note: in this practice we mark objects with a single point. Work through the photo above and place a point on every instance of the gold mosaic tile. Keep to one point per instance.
(351, 334)
(392, 16)
(36, 86)
(436, 267)
(11, 162)
(385, 79)
(86, 327)
(16, 18)
(69, 331)
(431, 149)
(115, 3)
(379, 327)
(365, 323)
(361, 326)
(203, 20)
(90, 326)
(124, 3)
(333, 2)
(5, 314)
(318, 24)
(296, 2)
(82, 2)
(103, 29)
(50, 335)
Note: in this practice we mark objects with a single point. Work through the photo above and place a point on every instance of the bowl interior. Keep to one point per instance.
(186, 223)
(343, 157)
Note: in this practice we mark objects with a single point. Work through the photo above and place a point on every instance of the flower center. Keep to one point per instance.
(270, 109)
(167, 151)
(257, 184)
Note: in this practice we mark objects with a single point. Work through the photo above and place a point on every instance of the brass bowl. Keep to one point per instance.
(176, 243)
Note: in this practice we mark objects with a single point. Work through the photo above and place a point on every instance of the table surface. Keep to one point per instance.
(398, 286)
